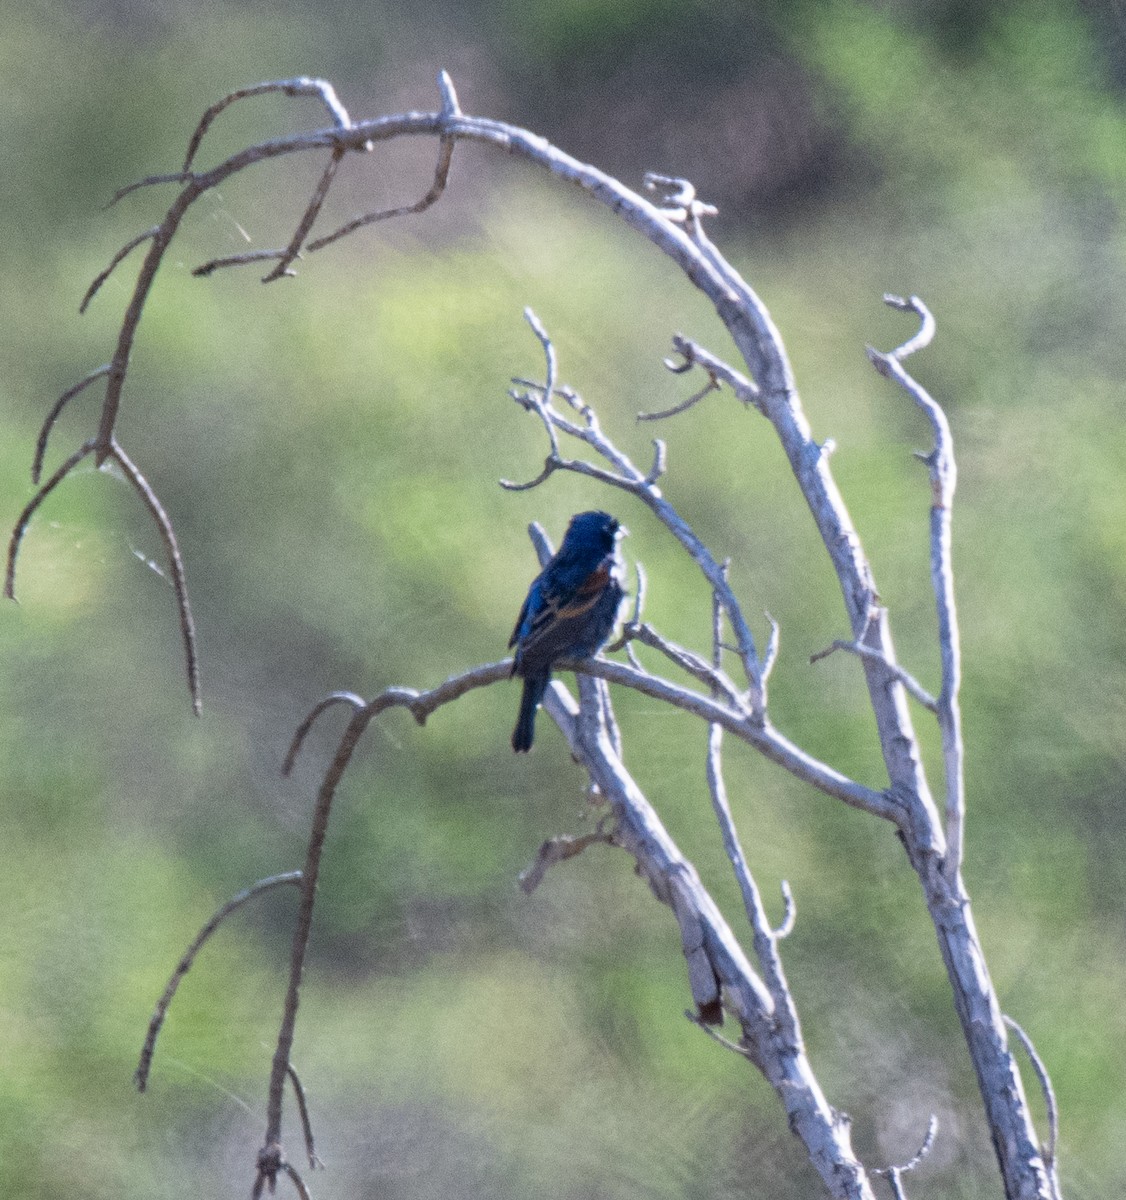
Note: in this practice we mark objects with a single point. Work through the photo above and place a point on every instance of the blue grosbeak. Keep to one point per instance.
(569, 612)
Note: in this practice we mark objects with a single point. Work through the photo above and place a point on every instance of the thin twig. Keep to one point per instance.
(1045, 1081)
(102, 276)
(24, 519)
(236, 260)
(893, 1174)
(312, 209)
(944, 477)
(862, 650)
(301, 86)
(176, 567)
(303, 1111)
(773, 643)
(692, 355)
(679, 203)
(350, 698)
(660, 462)
(437, 188)
(149, 181)
(711, 386)
(53, 416)
(559, 849)
(790, 917)
(295, 1178)
(686, 660)
(144, 1066)
(763, 935)
(716, 1036)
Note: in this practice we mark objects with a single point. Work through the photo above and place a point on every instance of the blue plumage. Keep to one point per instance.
(569, 611)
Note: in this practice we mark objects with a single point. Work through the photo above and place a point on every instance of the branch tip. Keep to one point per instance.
(450, 106)
(927, 326)
(892, 1174)
(660, 462)
(789, 919)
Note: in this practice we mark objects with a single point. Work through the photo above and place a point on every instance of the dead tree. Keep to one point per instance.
(724, 685)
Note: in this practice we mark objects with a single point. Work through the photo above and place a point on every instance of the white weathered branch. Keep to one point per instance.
(944, 477)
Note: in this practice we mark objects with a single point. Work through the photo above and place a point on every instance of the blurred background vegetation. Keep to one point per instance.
(329, 448)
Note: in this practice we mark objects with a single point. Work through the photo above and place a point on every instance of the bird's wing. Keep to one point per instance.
(550, 617)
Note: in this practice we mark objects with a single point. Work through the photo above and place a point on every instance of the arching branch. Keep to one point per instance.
(141, 1076)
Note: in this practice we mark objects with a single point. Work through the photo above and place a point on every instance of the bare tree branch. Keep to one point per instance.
(437, 188)
(303, 1111)
(693, 355)
(141, 1075)
(944, 477)
(53, 416)
(102, 276)
(894, 1174)
(895, 671)
(558, 849)
(1045, 1081)
(711, 948)
(764, 936)
(176, 567)
(24, 519)
(312, 211)
(789, 919)
(711, 386)
(301, 86)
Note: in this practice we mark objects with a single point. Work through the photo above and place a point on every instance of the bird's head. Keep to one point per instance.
(594, 529)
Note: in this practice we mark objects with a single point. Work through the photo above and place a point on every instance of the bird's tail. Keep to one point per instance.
(525, 731)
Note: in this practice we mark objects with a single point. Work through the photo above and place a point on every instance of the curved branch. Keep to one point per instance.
(303, 1112)
(123, 253)
(301, 86)
(141, 1075)
(676, 230)
(712, 949)
(350, 698)
(24, 519)
(148, 181)
(53, 416)
(176, 567)
(762, 736)
(1045, 1081)
(271, 1159)
(893, 1174)
(437, 188)
(895, 671)
(694, 355)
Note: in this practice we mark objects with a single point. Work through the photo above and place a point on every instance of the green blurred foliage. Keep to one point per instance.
(329, 447)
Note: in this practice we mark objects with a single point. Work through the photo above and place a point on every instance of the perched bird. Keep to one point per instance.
(569, 612)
